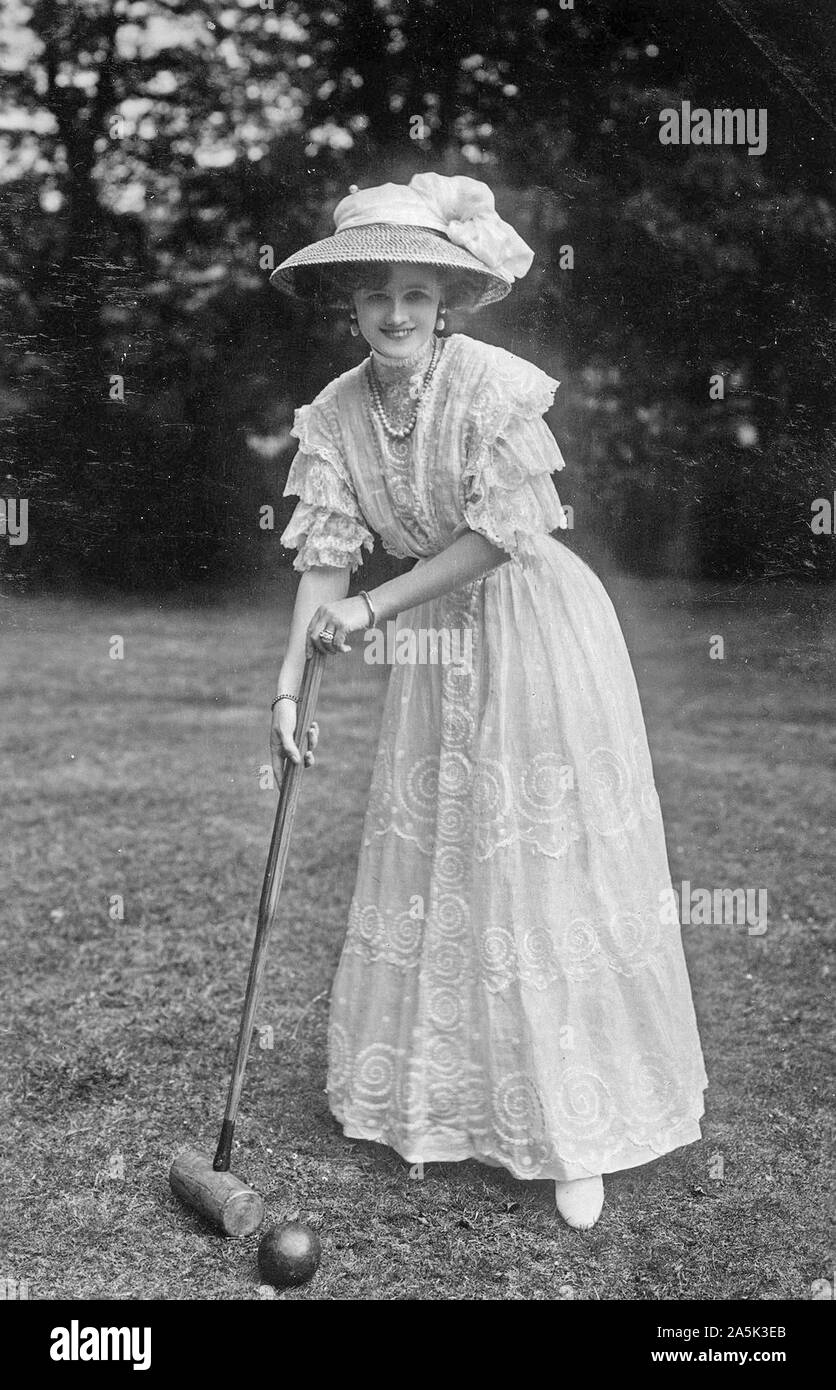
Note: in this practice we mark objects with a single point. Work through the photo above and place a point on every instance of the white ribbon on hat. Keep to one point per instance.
(460, 207)
(467, 209)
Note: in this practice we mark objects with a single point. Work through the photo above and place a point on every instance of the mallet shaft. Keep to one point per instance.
(271, 888)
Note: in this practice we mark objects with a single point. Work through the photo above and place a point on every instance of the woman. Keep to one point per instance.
(511, 987)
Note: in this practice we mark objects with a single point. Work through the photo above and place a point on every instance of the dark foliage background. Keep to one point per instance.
(162, 155)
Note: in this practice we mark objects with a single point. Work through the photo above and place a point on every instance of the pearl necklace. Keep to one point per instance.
(416, 391)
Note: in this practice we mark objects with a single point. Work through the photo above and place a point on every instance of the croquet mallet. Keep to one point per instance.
(205, 1183)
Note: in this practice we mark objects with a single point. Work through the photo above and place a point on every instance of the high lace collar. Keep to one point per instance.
(389, 369)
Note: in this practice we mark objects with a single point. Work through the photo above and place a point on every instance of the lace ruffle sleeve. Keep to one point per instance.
(327, 526)
(508, 494)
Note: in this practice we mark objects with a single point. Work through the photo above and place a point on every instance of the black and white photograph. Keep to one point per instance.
(417, 654)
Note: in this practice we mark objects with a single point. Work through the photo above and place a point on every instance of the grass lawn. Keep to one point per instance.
(139, 777)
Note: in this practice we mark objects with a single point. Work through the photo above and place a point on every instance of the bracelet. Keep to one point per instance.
(297, 698)
(370, 605)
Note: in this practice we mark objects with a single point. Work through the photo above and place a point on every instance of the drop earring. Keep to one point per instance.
(439, 323)
(353, 326)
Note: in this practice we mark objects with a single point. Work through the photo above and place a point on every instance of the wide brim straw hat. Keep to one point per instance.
(447, 223)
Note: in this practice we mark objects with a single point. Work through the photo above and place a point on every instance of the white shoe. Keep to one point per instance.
(580, 1202)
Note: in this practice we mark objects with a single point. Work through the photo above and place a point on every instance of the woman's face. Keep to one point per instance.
(399, 318)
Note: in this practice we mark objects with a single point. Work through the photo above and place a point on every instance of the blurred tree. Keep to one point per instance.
(162, 156)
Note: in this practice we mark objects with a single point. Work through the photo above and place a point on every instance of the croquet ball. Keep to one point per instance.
(289, 1254)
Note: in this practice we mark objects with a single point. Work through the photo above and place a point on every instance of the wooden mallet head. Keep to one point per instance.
(230, 1205)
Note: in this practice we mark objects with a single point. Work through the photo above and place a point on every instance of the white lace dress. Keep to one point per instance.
(512, 987)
